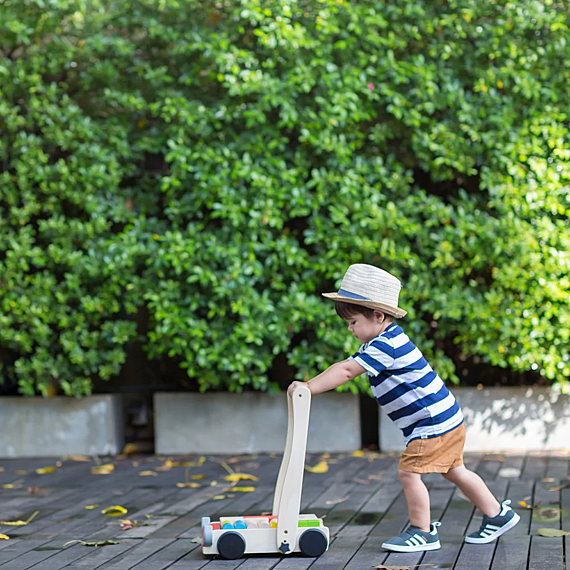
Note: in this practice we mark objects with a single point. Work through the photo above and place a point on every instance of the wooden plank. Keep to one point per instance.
(165, 557)
(535, 466)
(557, 467)
(16, 549)
(565, 504)
(545, 514)
(546, 553)
(131, 558)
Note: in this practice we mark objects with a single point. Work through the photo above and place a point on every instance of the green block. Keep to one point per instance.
(314, 522)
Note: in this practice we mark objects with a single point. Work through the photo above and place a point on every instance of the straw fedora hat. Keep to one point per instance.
(370, 287)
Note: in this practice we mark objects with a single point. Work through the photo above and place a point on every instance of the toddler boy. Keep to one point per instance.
(416, 399)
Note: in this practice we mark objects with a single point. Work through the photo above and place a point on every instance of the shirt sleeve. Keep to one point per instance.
(375, 358)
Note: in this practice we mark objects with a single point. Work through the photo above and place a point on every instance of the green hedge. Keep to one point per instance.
(219, 165)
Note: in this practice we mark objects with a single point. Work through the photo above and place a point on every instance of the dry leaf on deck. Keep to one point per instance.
(321, 467)
(78, 458)
(95, 544)
(196, 540)
(233, 477)
(188, 485)
(148, 474)
(19, 523)
(105, 469)
(44, 470)
(115, 511)
(38, 490)
(4, 537)
(21, 472)
(358, 453)
(200, 462)
(220, 497)
(552, 532)
(198, 477)
(90, 507)
(336, 501)
(243, 489)
(548, 480)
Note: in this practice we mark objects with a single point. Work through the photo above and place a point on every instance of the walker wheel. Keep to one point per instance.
(231, 545)
(313, 542)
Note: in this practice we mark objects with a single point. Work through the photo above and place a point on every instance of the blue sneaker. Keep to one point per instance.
(414, 539)
(492, 528)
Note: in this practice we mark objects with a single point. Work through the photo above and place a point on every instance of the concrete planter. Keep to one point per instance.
(47, 427)
(251, 422)
(518, 418)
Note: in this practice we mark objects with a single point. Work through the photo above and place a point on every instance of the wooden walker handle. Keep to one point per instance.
(287, 499)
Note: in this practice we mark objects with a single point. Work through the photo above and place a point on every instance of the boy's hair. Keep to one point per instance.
(347, 310)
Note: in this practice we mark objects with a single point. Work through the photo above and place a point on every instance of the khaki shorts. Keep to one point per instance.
(435, 454)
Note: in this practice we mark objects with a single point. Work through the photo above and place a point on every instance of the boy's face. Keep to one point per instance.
(364, 328)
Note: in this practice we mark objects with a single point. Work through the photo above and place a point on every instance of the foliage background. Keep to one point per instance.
(188, 176)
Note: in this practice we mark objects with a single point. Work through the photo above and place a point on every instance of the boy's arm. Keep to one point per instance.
(333, 377)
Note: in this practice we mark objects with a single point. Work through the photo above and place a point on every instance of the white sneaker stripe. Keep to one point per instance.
(410, 542)
(421, 538)
(491, 527)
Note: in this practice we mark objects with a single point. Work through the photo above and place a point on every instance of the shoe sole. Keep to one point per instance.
(402, 548)
(516, 518)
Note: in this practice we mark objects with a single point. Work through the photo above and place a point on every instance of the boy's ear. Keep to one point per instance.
(379, 315)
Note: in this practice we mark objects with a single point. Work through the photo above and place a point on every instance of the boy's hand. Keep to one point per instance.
(293, 385)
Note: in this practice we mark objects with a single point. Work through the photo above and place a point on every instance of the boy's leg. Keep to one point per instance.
(417, 499)
(474, 488)
(497, 519)
(420, 535)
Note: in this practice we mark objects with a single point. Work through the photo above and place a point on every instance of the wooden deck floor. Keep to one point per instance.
(359, 497)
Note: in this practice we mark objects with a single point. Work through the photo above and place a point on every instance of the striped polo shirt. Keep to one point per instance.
(406, 386)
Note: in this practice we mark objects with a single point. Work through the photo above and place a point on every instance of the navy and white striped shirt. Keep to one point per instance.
(406, 386)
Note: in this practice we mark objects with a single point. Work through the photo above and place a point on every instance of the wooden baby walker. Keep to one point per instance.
(285, 530)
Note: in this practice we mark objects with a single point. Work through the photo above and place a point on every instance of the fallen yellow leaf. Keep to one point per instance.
(358, 453)
(198, 477)
(190, 485)
(241, 477)
(19, 523)
(105, 469)
(321, 467)
(21, 471)
(148, 473)
(243, 489)
(114, 511)
(4, 537)
(220, 497)
(91, 507)
(552, 532)
(44, 470)
(78, 458)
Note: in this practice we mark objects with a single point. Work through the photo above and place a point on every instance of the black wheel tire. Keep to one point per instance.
(231, 545)
(313, 542)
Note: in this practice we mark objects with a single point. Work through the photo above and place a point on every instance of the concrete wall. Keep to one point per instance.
(47, 427)
(250, 423)
(503, 419)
